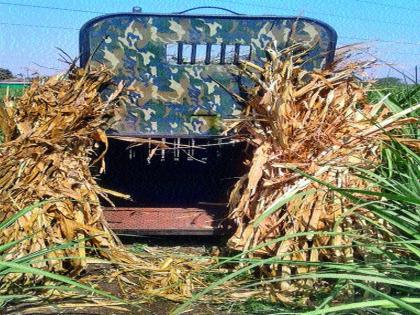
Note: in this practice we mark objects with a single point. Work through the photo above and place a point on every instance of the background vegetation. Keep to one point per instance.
(388, 283)
(5, 74)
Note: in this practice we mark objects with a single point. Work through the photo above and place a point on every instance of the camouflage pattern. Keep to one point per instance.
(183, 99)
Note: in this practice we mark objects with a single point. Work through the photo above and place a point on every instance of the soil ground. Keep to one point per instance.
(188, 245)
(75, 307)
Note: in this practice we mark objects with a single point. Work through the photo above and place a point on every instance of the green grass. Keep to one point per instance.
(398, 96)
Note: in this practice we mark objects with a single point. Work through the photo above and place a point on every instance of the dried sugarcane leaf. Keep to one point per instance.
(320, 123)
(50, 136)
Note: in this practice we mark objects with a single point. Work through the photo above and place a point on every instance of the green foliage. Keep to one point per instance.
(388, 81)
(396, 96)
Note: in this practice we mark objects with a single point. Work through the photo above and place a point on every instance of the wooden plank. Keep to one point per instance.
(165, 221)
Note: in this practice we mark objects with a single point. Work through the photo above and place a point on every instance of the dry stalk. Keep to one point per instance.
(320, 123)
(51, 134)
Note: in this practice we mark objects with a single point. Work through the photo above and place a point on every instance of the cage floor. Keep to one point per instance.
(166, 221)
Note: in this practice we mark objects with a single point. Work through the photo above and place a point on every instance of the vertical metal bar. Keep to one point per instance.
(162, 156)
(208, 53)
(204, 157)
(222, 53)
(189, 150)
(149, 150)
(250, 52)
(177, 149)
(219, 148)
(180, 61)
(174, 148)
(193, 53)
(236, 56)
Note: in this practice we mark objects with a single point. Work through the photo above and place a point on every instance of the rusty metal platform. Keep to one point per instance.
(165, 221)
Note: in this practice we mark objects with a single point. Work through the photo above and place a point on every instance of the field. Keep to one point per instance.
(365, 286)
(13, 90)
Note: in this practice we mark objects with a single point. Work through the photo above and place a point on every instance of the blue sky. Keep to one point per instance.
(390, 27)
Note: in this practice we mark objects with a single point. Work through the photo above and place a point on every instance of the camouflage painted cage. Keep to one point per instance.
(171, 63)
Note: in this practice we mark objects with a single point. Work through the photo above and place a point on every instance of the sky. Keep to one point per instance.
(30, 35)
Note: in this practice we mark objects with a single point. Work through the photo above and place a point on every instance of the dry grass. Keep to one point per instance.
(53, 135)
(318, 123)
(50, 136)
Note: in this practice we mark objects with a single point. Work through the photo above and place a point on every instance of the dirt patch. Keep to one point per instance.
(196, 246)
(73, 307)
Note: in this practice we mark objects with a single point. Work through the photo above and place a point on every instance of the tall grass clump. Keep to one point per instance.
(50, 136)
(60, 286)
(328, 215)
(386, 279)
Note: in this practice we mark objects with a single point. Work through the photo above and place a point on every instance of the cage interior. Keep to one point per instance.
(190, 173)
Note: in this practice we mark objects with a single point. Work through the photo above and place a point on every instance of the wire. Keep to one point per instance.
(388, 5)
(49, 8)
(41, 26)
(317, 12)
(383, 52)
(340, 37)
(49, 68)
(402, 53)
(380, 40)
(242, 3)
(344, 37)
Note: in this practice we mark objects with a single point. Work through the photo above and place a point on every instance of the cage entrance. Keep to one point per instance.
(183, 188)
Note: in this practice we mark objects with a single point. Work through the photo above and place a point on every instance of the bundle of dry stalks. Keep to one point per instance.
(317, 122)
(50, 134)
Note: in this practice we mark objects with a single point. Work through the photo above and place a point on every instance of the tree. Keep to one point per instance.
(5, 74)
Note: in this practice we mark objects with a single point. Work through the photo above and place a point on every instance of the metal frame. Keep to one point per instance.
(133, 220)
(84, 45)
